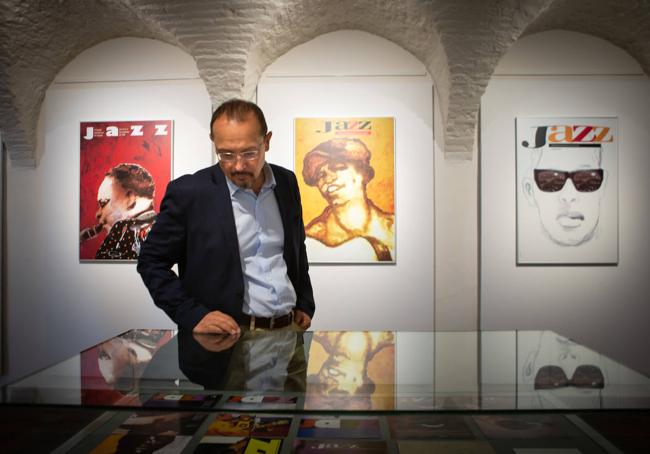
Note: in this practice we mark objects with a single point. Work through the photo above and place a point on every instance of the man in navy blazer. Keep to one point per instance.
(236, 232)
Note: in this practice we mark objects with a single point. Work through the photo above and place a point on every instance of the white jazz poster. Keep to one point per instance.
(567, 191)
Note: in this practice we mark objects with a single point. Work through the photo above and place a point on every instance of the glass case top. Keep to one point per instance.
(338, 370)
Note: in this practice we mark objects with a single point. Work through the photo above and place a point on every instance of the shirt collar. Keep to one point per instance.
(269, 181)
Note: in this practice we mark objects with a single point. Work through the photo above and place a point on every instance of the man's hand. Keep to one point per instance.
(217, 322)
(216, 342)
(302, 320)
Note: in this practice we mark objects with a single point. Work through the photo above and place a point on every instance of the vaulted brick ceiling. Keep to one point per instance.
(233, 41)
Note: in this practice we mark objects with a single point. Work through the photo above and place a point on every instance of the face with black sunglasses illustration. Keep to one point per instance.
(567, 187)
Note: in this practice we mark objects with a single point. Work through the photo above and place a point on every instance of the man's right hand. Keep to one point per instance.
(216, 322)
(216, 342)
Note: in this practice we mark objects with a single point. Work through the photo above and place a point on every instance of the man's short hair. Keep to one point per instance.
(350, 151)
(135, 178)
(239, 110)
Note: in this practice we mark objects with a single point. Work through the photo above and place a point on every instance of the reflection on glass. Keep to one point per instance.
(351, 370)
(112, 369)
(255, 361)
(557, 372)
(343, 371)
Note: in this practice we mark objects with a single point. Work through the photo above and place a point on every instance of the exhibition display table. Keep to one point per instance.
(325, 391)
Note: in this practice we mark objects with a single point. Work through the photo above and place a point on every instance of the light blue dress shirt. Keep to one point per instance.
(268, 292)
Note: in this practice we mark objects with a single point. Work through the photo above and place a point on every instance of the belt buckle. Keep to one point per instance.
(271, 322)
(251, 325)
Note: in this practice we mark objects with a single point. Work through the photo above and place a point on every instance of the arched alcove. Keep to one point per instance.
(49, 290)
(356, 74)
(562, 74)
(562, 52)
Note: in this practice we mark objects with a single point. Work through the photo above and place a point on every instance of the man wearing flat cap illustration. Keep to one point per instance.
(341, 170)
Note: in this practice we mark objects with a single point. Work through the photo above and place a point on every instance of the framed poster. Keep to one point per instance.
(125, 167)
(346, 175)
(567, 191)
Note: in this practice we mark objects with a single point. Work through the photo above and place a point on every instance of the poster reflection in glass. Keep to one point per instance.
(351, 370)
(555, 371)
(111, 370)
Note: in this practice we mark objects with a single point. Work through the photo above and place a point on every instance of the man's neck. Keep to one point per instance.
(258, 183)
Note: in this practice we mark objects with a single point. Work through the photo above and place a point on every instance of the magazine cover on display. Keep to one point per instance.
(125, 167)
(567, 190)
(148, 432)
(346, 175)
(245, 433)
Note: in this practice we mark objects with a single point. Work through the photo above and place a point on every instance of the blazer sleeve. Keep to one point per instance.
(165, 246)
(304, 292)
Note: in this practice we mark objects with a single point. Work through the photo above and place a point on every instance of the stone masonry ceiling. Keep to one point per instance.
(232, 41)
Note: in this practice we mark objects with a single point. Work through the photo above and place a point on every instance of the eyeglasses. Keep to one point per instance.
(588, 180)
(248, 155)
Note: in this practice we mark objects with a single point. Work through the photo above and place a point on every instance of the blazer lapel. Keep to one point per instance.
(225, 214)
(283, 197)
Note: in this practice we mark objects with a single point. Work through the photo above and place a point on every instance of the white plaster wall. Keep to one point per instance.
(603, 307)
(456, 237)
(57, 306)
(365, 76)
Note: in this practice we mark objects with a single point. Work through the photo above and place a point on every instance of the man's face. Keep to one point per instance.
(230, 136)
(339, 182)
(113, 203)
(569, 216)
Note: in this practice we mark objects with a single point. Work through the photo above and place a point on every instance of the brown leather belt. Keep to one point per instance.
(267, 323)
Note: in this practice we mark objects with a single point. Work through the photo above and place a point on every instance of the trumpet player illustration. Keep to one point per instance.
(125, 211)
(124, 169)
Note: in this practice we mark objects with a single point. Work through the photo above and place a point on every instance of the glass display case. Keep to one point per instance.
(324, 391)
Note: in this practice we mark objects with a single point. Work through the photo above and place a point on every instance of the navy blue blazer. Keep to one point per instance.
(196, 229)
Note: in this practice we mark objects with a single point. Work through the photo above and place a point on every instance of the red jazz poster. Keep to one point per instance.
(125, 167)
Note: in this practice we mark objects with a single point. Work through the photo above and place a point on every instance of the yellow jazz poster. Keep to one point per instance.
(346, 174)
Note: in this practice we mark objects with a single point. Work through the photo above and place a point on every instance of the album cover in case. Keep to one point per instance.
(152, 432)
(339, 427)
(339, 446)
(448, 447)
(175, 400)
(520, 426)
(260, 402)
(238, 445)
(428, 426)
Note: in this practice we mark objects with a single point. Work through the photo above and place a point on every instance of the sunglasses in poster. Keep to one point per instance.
(586, 180)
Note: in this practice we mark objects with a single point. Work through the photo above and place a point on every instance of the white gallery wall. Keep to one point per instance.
(56, 305)
(356, 74)
(565, 74)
